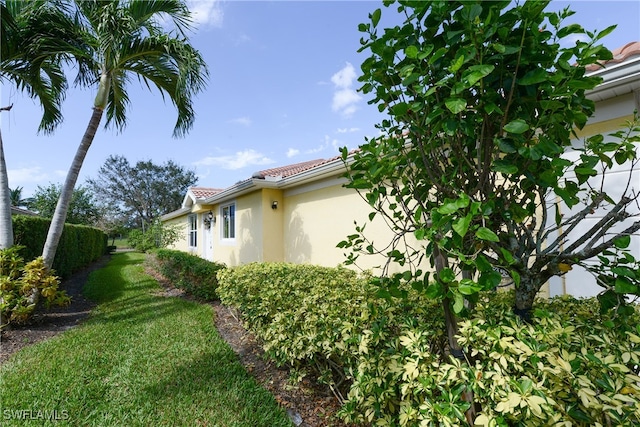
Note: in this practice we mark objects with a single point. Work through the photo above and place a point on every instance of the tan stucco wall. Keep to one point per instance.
(318, 219)
(181, 222)
(272, 225)
(248, 241)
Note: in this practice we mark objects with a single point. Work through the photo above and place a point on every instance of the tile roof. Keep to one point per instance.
(290, 170)
(204, 192)
(620, 54)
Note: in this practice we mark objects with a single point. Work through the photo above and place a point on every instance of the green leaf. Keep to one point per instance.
(477, 72)
(433, 291)
(456, 105)
(375, 17)
(535, 76)
(624, 286)
(462, 225)
(458, 304)
(447, 275)
(457, 64)
(622, 242)
(505, 167)
(468, 287)
(411, 52)
(484, 233)
(517, 126)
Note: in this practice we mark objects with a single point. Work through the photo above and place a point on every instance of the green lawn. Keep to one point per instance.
(139, 360)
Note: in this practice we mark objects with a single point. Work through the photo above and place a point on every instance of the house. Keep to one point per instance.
(296, 213)
(616, 99)
(21, 211)
(299, 213)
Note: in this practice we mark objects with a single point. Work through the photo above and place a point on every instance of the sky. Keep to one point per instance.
(283, 89)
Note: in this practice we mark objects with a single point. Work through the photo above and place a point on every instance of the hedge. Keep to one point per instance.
(79, 244)
(573, 365)
(194, 275)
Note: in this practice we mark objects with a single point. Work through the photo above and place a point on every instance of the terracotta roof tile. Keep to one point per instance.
(289, 170)
(620, 54)
(204, 192)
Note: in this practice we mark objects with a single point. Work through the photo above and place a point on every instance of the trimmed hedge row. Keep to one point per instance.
(572, 365)
(79, 244)
(194, 275)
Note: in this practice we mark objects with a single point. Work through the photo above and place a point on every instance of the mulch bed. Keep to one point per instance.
(307, 404)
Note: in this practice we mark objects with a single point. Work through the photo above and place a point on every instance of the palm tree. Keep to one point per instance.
(28, 30)
(126, 38)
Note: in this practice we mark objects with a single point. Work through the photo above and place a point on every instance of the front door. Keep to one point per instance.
(207, 241)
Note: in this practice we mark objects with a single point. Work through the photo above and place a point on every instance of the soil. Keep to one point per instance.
(306, 403)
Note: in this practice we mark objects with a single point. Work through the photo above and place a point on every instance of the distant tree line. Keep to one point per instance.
(121, 197)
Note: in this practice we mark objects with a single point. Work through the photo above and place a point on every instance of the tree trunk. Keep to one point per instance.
(525, 296)
(451, 323)
(6, 226)
(60, 214)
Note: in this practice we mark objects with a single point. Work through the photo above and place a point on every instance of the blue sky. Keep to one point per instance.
(283, 89)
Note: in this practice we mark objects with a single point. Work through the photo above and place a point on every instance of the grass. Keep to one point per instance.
(139, 360)
(120, 243)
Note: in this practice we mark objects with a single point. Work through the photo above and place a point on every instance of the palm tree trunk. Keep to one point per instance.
(60, 214)
(6, 226)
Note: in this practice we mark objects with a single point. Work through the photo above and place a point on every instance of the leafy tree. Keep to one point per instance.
(83, 209)
(33, 36)
(482, 101)
(155, 237)
(15, 194)
(144, 191)
(121, 39)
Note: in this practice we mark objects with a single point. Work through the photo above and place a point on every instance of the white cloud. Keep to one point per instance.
(206, 13)
(239, 160)
(345, 98)
(348, 130)
(292, 152)
(334, 144)
(345, 77)
(244, 121)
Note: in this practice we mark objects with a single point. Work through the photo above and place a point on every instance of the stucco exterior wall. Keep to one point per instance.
(181, 223)
(318, 217)
(611, 115)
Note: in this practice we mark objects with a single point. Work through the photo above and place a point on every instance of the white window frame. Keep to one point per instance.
(192, 230)
(228, 223)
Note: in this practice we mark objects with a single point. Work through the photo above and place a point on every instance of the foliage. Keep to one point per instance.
(114, 42)
(79, 245)
(482, 99)
(83, 209)
(157, 236)
(30, 31)
(298, 311)
(17, 281)
(194, 275)
(571, 365)
(140, 359)
(144, 191)
(15, 195)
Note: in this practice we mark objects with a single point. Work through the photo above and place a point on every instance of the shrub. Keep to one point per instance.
(79, 244)
(569, 367)
(17, 283)
(194, 275)
(300, 312)
(572, 365)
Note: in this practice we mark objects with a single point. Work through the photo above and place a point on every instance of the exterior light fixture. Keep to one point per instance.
(274, 205)
(209, 219)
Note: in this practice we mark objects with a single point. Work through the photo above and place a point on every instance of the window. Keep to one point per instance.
(229, 222)
(193, 230)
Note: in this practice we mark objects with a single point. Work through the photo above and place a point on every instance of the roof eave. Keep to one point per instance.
(617, 79)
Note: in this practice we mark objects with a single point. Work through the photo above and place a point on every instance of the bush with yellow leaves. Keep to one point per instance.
(22, 283)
